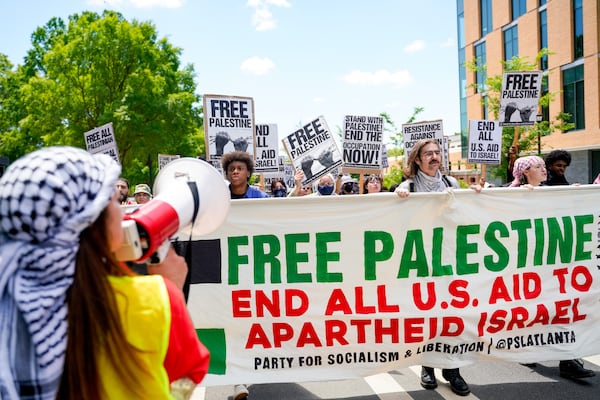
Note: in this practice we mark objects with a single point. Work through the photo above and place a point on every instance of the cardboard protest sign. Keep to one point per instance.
(451, 279)
(362, 142)
(164, 159)
(384, 157)
(414, 132)
(228, 125)
(519, 98)
(485, 142)
(312, 149)
(102, 140)
(285, 171)
(267, 148)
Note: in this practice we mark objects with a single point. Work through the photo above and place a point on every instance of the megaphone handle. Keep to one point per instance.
(160, 253)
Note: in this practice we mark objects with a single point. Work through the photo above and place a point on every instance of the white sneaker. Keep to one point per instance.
(240, 392)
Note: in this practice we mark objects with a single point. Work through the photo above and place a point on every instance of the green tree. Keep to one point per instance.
(96, 69)
(528, 137)
(397, 145)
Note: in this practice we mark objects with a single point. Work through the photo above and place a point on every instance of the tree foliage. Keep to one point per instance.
(528, 137)
(396, 135)
(94, 69)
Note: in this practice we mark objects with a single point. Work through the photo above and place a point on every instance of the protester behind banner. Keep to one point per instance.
(373, 184)
(300, 190)
(239, 167)
(530, 172)
(348, 185)
(325, 186)
(557, 162)
(423, 175)
(313, 149)
(417, 131)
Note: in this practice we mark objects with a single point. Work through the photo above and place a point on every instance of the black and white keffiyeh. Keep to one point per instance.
(47, 198)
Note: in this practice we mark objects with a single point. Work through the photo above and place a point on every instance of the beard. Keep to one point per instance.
(123, 198)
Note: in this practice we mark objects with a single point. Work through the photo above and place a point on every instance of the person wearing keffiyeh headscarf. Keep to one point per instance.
(529, 170)
(65, 328)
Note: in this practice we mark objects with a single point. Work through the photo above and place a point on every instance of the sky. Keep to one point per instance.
(298, 59)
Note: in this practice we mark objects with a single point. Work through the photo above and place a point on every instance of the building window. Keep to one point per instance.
(518, 8)
(542, 2)
(578, 28)
(484, 107)
(486, 17)
(480, 74)
(543, 38)
(545, 109)
(573, 95)
(511, 42)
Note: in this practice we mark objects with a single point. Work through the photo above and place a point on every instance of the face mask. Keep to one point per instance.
(325, 190)
(279, 193)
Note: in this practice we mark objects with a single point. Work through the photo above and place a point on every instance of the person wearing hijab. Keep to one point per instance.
(325, 186)
(75, 323)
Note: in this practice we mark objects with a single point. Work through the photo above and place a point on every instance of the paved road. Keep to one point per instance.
(492, 380)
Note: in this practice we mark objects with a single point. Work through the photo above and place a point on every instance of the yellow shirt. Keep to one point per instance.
(143, 303)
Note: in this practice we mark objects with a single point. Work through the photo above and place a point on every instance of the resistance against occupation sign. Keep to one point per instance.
(412, 133)
(440, 279)
(362, 142)
(485, 142)
(267, 148)
(519, 98)
(312, 149)
(102, 140)
(228, 125)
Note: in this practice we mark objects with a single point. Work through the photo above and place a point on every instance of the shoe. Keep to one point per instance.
(457, 383)
(573, 369)
(240, 392)
(428, 380)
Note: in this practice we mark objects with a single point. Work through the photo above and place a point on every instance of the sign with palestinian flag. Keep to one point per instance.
(441, 279)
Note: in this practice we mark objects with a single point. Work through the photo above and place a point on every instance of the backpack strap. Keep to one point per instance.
(446, 181)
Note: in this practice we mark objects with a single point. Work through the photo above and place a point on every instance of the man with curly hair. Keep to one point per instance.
(239, 167)
(557, 162)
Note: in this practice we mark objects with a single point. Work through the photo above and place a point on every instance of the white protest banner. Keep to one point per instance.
(485, 142)
(102, 140)
(228, 125)
(164, 159)
(414, 132)
(440, 279)
(267, 148)
(312, 148)
(362, 141)
(519, 98)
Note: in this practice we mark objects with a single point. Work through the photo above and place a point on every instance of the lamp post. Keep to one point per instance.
(539, 118)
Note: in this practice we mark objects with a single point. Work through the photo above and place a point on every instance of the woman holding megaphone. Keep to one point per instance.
(75, 323)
